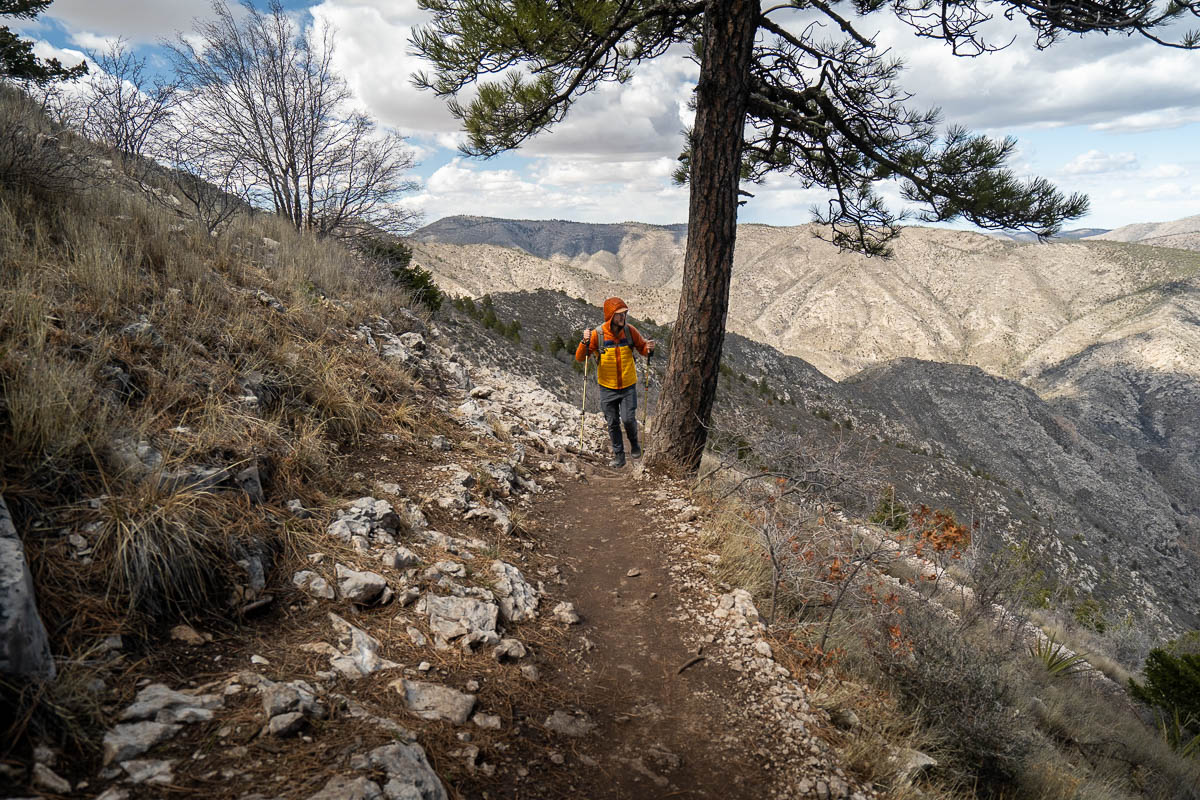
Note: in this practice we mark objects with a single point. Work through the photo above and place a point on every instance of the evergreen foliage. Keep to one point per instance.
(890, 513)
(1172, 684)
(17, 61)
(396, 256)
(795, 89)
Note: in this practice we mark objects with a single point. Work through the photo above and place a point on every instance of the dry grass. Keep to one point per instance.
(122, 320)
(965, 694)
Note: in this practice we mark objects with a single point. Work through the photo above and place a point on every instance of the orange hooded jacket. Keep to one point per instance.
(616, 370)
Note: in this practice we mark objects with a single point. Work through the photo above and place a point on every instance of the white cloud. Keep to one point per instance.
(1159, 119)
(91, 41)
(639, 120)
(67, 56)
(1095, 162)
(140, 21)
(645, 176)
(1110, 82)
(1166, 171)
(372, 52)
(1166, 191)
(466, 187)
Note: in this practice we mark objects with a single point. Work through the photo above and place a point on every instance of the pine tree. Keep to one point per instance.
(817, 100)
(17, 61)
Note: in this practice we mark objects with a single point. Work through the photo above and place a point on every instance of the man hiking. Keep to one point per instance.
(615, 342)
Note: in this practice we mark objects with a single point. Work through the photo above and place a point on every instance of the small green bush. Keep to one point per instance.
(396, 257)
(1172, 684)
(889, 513)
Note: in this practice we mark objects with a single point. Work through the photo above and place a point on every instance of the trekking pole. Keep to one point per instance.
(583, 405)
(646, 410)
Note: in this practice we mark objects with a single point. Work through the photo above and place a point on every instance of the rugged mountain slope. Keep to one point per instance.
(1109, 518)
(1120, 530)
(1106, 332)
(1073, 234)
(1184, 233)
(951, 296)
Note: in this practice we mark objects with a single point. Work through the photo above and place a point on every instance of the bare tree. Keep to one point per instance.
(122, 104)
(209, 181)
(264, 92)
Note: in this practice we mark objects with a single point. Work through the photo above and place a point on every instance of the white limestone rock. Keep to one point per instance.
(359, 651)
(518, 600)
(132, 739)
(362, 588)
(410, 777)
(433, 701)
(24, 645)
(467, 617)
(308, 581)
(568, 724)
(149, 771)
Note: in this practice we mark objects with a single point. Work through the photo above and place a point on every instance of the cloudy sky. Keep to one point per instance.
(1113, 117)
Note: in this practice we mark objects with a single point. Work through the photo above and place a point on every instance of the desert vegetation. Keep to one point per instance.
(952, 669)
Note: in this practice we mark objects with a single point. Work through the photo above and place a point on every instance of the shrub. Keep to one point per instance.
(959, 686)
(1090, 614)
(396, 257)
(889, 513)
(1172, 684)
(35, 156)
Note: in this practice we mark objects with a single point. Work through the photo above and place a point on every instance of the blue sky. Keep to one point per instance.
(1114, 117)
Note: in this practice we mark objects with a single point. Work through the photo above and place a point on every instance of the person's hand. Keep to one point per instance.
(649, 346)
(587, 336)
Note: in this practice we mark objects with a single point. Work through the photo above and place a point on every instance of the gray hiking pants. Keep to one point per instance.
(620, 405)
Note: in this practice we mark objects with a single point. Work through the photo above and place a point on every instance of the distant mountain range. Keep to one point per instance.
(1070, 368)
(1071, 235)
(1181, 233)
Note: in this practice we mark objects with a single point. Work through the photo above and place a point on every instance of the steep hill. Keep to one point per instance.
(1026, 469)
(1183, 233)
(1106, 333)
(951, 296)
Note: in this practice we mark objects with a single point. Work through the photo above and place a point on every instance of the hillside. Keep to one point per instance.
(1182, 233)
(273, 529)
(1025, 468)
(1104, 332)
(950, 296)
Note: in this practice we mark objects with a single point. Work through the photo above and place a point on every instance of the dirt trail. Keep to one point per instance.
(661, 732)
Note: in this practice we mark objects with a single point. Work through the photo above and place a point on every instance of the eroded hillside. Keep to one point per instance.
(952, 296)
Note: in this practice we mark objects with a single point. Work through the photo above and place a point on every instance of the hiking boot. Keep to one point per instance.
(618, 461)
(635, 447)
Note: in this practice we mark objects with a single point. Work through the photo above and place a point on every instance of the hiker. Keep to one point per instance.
(615, 342)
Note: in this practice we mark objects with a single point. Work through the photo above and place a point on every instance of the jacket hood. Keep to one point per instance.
(611, 306)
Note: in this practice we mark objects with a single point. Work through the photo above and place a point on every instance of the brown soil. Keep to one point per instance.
(662, 732)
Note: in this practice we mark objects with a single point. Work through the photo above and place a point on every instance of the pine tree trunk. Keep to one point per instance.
(690, 385)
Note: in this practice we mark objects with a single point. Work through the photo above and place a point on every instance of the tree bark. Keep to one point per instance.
(690, 385)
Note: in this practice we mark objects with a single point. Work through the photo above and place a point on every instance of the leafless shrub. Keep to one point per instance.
(820, 566)
(201, 172)
(961, 685)
(122, 105)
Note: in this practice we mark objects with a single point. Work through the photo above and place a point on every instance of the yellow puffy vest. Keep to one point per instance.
(616, 370)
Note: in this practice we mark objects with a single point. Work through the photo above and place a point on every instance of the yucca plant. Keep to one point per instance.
(1057, 659)
(1176, 730)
